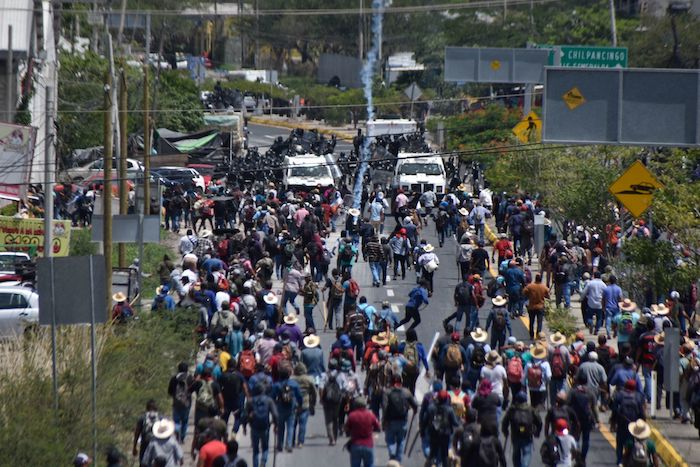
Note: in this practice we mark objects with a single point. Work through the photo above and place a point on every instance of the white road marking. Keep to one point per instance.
(270, 136)
(390, 292)
(395, 309)
(388, 278)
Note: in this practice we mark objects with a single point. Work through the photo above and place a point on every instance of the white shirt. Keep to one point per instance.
(496, 375)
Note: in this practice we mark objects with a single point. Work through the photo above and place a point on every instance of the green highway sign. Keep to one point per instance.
(585, 56)
(592, 57)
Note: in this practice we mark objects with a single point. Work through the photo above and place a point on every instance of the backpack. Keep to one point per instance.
(521, 423)
(528, 226)
(626, 324)
(457, 402)
(640, 454)
(478, 357)
(581, 405)
(149, 420)
(440, 423)
(331, 391)
(469, 442)
(629, 408)
(182, 395)
(260, 418)
(353, 289)
(397, 406)
(648, 349)
(550, 451)
(346, 253)
(337, 289)
(410, 353)
(499, 322)
(463, 293)
(223, 284)
(558, 364)
(205, 395)
(478, 218)
(487, 451)
(286, 395)
(604, 357)
(313, 250)
(534, 376)
(289, 251)
(356, 324)
(326, 257)
(514, 370)
(492, 288)
(246, 363)
(222, 248)
(453, 356)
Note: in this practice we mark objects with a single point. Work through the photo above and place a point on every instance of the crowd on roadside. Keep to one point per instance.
(265, 371)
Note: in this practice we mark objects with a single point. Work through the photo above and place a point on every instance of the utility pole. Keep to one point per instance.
(107, 185)
(505, 11)
(148, 38)
(49, 171)
(360, 39)
(123, 123)
(122, 20)
(257, 35)
(9, 80)
(613, 23)
(146, 145)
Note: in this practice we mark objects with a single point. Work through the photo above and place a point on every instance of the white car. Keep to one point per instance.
(76, 174)
(19, 309)
(9, 261)
(183, 175)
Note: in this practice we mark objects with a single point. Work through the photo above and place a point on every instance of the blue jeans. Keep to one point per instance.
(334, 310)
(473, 317)
(361, 456)
(480, 231)
(260, 440)
(285, 423)
(376, 268)
(585, 441)
(566, 294)
(395, 435)
(610, 314)
(646, 373)
(309, 316)
(522, 452)
(514, 305)
(300, 428)
(457, 316)
(289, 297)
(597, 315)
(180, 417)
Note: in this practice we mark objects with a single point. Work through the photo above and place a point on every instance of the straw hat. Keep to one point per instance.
(311, 341)
(462, 187)
(539, 352)
(270, 298)
(163, 429)
(381, 339)
(627, 305)
(639, 429)
(354, 212)
(493, 357)
(660, 339)
(557, 338)
(479, 335)
(291, 318)
(463, 211)
(119, 297)
(660, 309)
(205, 233)
(428, 248)
(499, 300)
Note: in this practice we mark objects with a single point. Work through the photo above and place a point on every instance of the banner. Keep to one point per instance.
(16, 151)
(30, 233)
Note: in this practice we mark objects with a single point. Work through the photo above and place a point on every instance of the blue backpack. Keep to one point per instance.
(260, 416)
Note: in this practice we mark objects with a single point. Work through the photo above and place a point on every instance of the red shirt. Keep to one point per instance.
(211, 451)
(360, 425)
(501, 247)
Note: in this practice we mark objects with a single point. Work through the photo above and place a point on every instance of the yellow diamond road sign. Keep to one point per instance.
(529, 129)
(573, 98)
(496, 65)
(635, 188)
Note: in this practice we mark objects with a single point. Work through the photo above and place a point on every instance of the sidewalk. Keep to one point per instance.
(676, 444)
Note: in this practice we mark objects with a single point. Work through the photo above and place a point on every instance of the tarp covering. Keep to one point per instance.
(187, 145)
(221, 120)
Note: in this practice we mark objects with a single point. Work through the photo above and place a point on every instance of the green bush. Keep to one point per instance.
(135, 363)
(559, 319)
(81, 243)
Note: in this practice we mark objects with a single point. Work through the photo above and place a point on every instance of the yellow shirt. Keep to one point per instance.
(224, 358)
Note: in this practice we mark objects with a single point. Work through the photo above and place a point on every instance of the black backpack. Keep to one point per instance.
(331, 391)
(463, 293)
(499, 320)
(440, 423)
(521, 423)
(582, 406)
(488, 455)
(286, 395)
(550, 451)
(478, 356)
(469, 442)
(397, 405)
(347, 254)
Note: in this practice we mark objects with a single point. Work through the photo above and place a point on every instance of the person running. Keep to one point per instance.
(466, 302)
(417, 297)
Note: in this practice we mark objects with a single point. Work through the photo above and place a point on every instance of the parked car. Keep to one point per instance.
(19, 310)
(81, 173)
(98, 178)
(187, 177)
(9, 260)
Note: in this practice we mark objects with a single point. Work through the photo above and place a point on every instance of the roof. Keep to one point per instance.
(19, 14)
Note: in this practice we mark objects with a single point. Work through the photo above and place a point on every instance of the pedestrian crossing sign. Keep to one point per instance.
(635, 188)
(529, 129)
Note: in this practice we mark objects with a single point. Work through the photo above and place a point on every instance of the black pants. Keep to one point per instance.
(400, 260)
(411, 314)
(535, 314)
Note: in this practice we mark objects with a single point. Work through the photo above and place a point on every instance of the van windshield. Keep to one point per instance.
(309, 171)
(415, 168)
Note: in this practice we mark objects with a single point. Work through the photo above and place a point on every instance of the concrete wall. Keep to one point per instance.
(344, 67)
(4, 117)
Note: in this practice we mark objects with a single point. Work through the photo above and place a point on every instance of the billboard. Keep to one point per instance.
(495, 65)
(16, 233)
(16, 152)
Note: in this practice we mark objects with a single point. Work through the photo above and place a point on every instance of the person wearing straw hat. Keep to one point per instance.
(429, 262)
(640, 448)
(538, 373)
(122, 311)
(624, 323)
(163, 444)
(499, 322)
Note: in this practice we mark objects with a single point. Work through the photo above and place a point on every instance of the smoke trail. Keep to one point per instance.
(367, 75)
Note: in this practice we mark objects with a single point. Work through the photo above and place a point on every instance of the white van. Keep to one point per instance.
(420, 172)
(307, 171)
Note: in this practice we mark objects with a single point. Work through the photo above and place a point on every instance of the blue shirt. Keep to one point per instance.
(422, 355)
(612, 295)
(167, 301)
(370, 312)
(375, 211)
(514, 277)
(210, 264)
(388, 315)
(417, 297)
(297, 399)
(260, 378)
